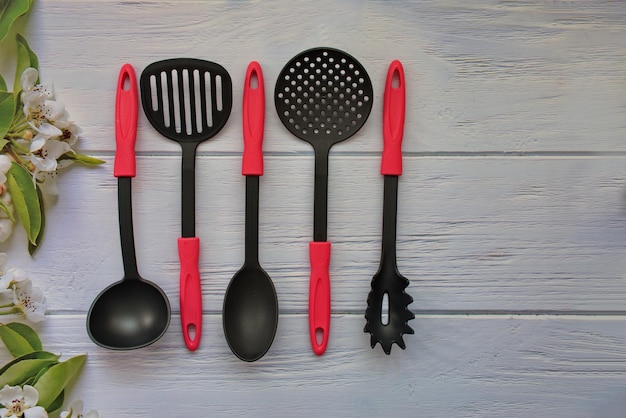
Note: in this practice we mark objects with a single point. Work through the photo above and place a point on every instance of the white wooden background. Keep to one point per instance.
(512, 209)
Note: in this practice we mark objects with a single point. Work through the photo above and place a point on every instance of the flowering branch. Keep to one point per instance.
(36, 142)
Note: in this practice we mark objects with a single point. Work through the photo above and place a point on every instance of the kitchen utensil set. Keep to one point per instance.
(322, 96)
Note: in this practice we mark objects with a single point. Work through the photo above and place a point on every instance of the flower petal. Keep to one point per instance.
(49, 130)
(29, 78)
(35, 412)
(31, 396)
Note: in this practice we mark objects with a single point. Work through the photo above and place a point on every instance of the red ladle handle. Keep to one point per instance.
(319, 296)
(126, 109)
(190, 292)
(393, 120)
(253, 121)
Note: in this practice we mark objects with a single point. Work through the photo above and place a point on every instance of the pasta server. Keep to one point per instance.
(387, 311)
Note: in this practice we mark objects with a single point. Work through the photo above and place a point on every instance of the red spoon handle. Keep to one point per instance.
(126, 109)
(253, 121)
(319, 296)
(393, 120)
(190, 293)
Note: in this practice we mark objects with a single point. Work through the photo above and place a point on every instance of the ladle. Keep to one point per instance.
(250, 313)
(133, 312)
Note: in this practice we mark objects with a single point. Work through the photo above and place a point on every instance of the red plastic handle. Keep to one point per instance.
(319, 296)
(393, 120)
(253, 121)
(190, 293)
(126, 109)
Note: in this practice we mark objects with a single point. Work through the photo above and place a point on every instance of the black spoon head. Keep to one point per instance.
(128, 314)
(390, 284)
(186, 99)
(323, 96)
(250, 313)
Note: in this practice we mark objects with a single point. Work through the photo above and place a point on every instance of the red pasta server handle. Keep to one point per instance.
(393, 120)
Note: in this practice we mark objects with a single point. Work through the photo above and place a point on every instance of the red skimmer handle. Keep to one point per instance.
(190, 293)
(253, 121)
(319, 296)
(393, 120)
(126, 108)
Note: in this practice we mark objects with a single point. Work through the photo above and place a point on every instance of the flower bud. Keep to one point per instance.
(27, 135)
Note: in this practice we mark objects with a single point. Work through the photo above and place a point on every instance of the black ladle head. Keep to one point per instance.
(250, 313)
(323, 96)
(129, 314)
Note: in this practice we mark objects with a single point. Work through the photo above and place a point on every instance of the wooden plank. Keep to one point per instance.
(475, 234)
(510, 366)
(485, 77)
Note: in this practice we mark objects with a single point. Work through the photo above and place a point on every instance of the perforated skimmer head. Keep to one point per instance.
(323, 95)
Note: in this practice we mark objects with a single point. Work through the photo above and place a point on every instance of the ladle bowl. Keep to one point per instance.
(131, 313)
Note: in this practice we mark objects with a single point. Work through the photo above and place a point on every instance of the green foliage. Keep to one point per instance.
(26, 200)
(10, 10)
(35, 367)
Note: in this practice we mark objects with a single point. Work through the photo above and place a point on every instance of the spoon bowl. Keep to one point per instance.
(250, 313)
(131, 313)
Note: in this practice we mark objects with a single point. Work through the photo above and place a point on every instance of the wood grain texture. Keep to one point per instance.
(453, 366)
(511, 224)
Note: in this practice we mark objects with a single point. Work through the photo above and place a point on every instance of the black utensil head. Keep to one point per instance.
(186, 99)
(323, 95)
(388, 284)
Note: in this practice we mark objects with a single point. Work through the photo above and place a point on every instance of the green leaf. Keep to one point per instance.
(5, 208)
(34, 355)
(25, 200)
(84, 159)
(52, 383)
(58, 402)
(9, 14)
(32, 246)
(7, 106)
(25, 58)
(28, 333)
(14, 342)
(3, 84)
(21, 371)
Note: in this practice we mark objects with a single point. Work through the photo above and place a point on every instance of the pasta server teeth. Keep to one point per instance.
(387, 312)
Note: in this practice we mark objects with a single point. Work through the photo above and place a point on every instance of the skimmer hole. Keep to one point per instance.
(187, 102)
(197, 99)
(218, 92)
(153, 93)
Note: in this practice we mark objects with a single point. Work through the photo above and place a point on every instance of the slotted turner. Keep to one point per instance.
(323, 96)
(188, 101)
(387, 324)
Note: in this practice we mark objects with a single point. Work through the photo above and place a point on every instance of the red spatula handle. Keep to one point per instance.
(126, 109)
(393, 120)
(253, 121)
(319, 296)
(190, 293)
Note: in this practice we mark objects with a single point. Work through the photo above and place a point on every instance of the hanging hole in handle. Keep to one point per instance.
(384, 311)
(395, 80)
(126, 82)
(191, 332)
(319, 336)
(254, 80)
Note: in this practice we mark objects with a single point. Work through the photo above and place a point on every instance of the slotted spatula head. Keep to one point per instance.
(186, 99)
(323, 95)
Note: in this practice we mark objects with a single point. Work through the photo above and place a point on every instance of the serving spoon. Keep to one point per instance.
(133, 312)
(250, 313)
